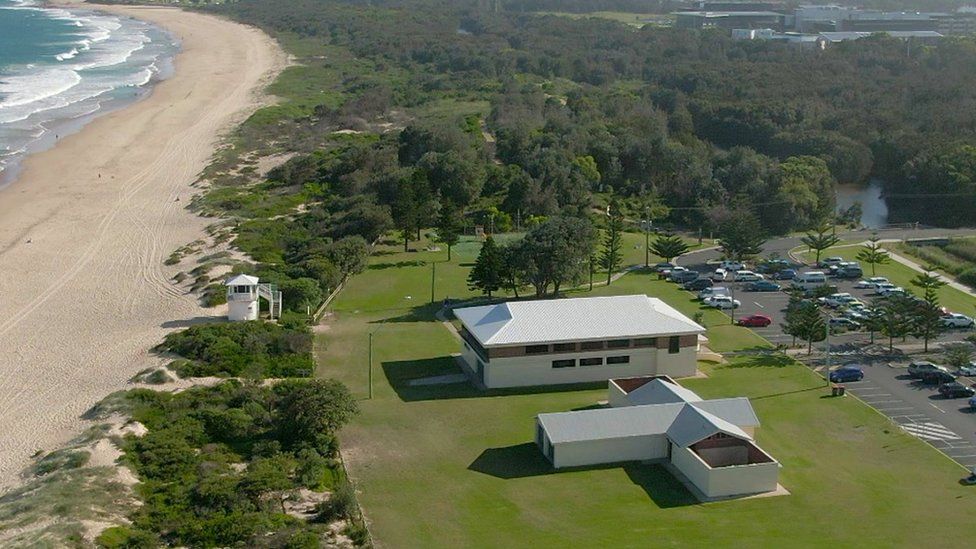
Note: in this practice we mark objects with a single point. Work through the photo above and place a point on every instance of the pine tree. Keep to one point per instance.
(927, 316)
(668, 246)
(449, 226)
(612, 256)
(487, 273)
(873, 254)
(821, 239)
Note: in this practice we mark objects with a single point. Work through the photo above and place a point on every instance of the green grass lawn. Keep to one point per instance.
(901, 275)
(451, 467)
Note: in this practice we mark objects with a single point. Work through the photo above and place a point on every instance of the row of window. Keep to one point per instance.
(674, 345)
(591, 361)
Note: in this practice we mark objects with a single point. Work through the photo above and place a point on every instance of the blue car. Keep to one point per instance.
(847, 373)
(786, 274)
(762, 286)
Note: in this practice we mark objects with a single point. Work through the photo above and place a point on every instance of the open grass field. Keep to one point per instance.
(447, 466)
(901, 275)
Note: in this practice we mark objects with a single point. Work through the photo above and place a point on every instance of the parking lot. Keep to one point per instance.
(947, 424)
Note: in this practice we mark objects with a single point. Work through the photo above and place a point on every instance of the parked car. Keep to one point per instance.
(732, 266)
(746, 276)
(938, 378)
(956, 320)
(856, 315)
(762, 286)
(809, 280)
(828, 261)
(719, 275)
(836, 300)
(883, 287)
(785, 274)
(845, 323)
(723, 302)
(772, 266)
(698, 284)
(871, 283)
(919, 367)
(755, 321)
(849, 271)
(972, 403)
(712, 292)
(968, 370)
(664, 266)
(682, 277)
(850, 372)
(888, 292)
(956, 390)
(673, 271)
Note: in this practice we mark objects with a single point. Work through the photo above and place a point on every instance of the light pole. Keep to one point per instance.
(827, 344)
(433, 275)
(647, 237)
(371, 366)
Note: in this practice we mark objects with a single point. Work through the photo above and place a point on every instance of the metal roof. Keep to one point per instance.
(577, 319)
(609, 423)
(242, 280)
(693, 424)
(737, 411)
(658, 391)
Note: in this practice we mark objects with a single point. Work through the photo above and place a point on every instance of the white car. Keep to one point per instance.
(747, 276)
(956, 320)
(836, 300)
(719, 275)
(828, 261)
(883, 287)
(888, 292)
(871, 283)
(712, 292)
(723, 302)
(732, 266)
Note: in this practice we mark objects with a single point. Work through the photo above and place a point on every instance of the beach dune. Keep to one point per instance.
(85, 229)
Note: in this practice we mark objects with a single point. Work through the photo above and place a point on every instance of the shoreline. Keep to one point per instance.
(86, 225)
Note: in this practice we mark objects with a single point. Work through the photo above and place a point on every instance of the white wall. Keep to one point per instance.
(725, 481)
(616, 397)
(537, 369)
(594, 452)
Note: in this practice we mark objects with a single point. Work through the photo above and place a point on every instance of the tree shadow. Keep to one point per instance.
(397, 265)
(526, 461)
(422, 313)
(401, 373)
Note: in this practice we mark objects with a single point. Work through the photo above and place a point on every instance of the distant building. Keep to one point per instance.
(561, 341)
(793, 38)
(922, 37)
(729, 20)
(733, 5)
(710, 443)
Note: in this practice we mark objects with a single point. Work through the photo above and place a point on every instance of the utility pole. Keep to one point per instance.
(647, 237)
(371, 366)
(827, 341)
(433, 275)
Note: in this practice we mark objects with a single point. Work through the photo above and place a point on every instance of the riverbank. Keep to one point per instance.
(86, 227)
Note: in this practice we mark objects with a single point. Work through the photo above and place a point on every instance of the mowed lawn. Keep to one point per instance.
(902, 275)
(447, 466)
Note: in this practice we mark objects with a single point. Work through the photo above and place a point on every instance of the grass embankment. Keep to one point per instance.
(902, 275)
(956, 259)
(449, 466)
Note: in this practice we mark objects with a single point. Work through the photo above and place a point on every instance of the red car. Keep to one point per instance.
(755, 321)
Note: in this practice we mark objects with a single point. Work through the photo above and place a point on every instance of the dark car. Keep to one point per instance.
(698, 285)
(755, 321)
(919, 368)
(663, 267)
(684, 276)
(851, 372)
(956, 390)
(849, 272)
(762, 286)
(938, 377)
(786, 274)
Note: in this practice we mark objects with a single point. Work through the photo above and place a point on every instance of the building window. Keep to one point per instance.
(536, 349)
(568, 363)
(242, 289)
(625, 359)
(645, 342)
(674, 344)
(564, 347)
(594, 361)
(591, 346)
(618, 344)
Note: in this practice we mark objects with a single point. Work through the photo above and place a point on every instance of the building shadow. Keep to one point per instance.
(526, 461)
(402, 375)
(195, 321)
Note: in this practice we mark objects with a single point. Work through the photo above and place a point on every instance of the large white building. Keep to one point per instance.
(653, 419)
(549, 342)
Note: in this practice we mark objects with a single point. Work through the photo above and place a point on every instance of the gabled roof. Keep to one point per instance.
(693, 424)
(608, 423)
(242, 280)
(579, 319)
(658, 391)
(737, 411)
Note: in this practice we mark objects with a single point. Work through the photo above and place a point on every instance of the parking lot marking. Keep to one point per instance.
(937, 408)
(881, 401)
(760, 305)
(930, 431)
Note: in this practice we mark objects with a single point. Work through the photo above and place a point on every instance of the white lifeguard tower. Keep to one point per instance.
(243, 295)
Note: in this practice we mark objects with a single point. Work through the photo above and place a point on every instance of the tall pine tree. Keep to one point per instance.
(487, 274)
(612, 256)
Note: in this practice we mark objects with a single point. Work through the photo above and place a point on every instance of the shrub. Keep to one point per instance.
(61, 460)
(157, 377)
(340, 505)
(257, 349)
(125, 537)
(968, 277)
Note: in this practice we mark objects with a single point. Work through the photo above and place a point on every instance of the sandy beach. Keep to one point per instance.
(84, 231)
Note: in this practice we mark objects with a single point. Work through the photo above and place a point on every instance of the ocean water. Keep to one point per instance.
(59, 68)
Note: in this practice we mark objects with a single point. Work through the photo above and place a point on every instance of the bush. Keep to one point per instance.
(157, 377)
(125, 537)
(61, 460)
(256, 349)
(968, 277)
(340, 505)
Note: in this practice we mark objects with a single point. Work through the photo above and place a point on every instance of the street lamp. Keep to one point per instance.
(647, 237)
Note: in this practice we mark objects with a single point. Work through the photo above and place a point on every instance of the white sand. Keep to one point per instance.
(85, 300)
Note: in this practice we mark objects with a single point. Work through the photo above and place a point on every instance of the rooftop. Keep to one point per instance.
(578, 319)
(715, 14)
(242, 280)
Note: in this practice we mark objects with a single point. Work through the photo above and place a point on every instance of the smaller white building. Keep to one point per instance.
(243, 298)
(709, 442)
(562, 341)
